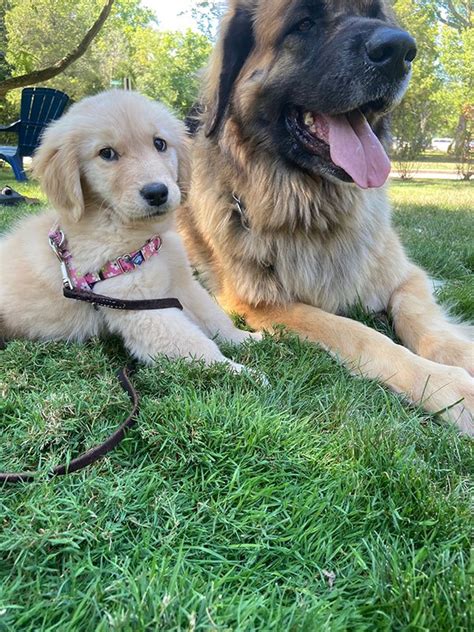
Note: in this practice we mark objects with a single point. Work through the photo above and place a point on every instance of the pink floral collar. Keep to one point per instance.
(121, 265)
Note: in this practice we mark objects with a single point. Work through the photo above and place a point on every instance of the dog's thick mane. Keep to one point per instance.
(275, 197)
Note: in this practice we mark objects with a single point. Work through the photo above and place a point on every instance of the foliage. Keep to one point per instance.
(458, 90)
(40, 32)
(464, 143)
(4, 66)
(7, 112)
(46, 73)
(417, 118)
(457, 14)
(166, 65)
(442, 85)
(206, 14)
(163, 65)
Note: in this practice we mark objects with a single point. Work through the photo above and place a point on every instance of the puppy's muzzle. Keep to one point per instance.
(155, 193)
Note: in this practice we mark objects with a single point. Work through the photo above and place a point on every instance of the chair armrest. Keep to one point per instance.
(13, 127)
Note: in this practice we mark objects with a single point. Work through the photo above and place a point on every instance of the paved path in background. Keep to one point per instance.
(430, 175)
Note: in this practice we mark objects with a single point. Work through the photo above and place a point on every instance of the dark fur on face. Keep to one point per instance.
(328, 57)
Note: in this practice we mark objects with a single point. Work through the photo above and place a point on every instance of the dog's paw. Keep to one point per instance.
(238, 336)
(234, 367)
(449, 350)
(449, 391)
(464, 420)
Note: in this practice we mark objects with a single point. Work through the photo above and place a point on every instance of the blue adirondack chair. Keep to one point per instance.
(38, 107)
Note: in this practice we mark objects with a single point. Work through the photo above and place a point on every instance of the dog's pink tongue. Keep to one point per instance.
(356, 149)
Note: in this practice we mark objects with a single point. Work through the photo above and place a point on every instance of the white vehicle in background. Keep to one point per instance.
(442, 144)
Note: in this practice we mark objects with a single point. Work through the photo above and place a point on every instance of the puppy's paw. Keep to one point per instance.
(238, 336)
(257, 376)
(254, 375)
(234, 367)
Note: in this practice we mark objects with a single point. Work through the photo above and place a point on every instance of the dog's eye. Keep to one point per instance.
(108, 154)
(304, 25)
(374, 12)
(160, 144)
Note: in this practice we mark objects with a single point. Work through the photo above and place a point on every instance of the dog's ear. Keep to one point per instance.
(237, 43)
(184, 167)
(56, 165)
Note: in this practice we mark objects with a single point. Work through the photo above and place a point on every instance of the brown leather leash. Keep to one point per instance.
(100, 300)
(94, 454)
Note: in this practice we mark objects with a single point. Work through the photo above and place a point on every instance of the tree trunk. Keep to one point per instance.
(460, 134)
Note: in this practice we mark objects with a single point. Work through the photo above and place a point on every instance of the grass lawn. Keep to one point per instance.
(322, 503)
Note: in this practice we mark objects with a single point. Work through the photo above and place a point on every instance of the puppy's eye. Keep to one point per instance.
(304, 25)
(108, 154)
(160, 144)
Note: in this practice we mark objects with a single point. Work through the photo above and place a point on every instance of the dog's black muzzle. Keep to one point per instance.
(390, 51)
(365, 61)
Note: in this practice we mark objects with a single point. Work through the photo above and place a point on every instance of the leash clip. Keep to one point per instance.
(56, 248)
(239, 207)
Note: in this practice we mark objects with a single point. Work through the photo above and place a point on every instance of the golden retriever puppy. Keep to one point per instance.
(111, 167)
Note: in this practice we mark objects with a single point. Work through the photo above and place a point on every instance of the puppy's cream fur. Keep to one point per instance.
(98, 205)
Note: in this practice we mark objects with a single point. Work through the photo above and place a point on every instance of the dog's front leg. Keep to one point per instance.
(438, 388)
(169, 332)
(424, 328)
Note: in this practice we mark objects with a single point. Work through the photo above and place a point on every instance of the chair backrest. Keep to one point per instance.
(39, 106)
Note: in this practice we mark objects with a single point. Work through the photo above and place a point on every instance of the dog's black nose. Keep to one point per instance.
(155, 193)
(392, 51)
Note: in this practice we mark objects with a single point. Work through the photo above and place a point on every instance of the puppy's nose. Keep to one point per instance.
(392, 51)
(155, 193)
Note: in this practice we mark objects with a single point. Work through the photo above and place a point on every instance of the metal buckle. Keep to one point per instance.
(56, 247)
(241, 210)
(126, 258)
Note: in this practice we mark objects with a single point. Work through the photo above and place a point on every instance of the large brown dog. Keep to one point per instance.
(287, 215)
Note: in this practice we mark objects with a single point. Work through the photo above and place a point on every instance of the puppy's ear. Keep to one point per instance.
(56, 165)
(237, 44)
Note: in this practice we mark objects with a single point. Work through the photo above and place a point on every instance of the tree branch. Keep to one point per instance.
(38, 76)
(454, 18)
